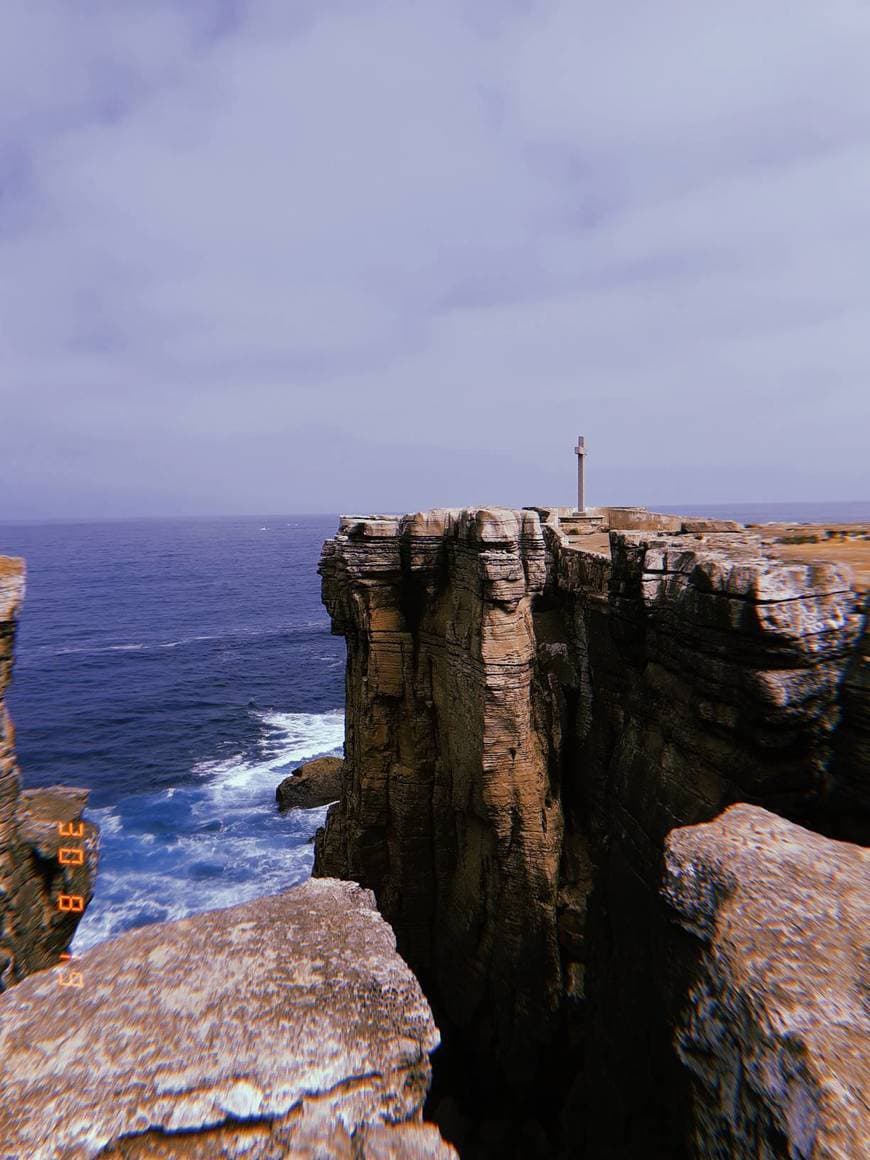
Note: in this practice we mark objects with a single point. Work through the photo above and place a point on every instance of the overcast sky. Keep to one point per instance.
(293, 256)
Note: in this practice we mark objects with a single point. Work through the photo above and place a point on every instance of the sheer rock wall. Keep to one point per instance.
(33, 930)
(527, 719)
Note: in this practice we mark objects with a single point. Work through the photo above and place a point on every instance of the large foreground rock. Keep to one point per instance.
(34, 930)
(776, 1029)
(287, 1026)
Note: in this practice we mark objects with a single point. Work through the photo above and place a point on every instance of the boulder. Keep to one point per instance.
(287, 1026)
(774, 1031)
(316, 783)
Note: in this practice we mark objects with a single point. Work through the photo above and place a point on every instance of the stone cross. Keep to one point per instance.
(580, 451)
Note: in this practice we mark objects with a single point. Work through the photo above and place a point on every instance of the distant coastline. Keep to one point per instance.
(831, 511)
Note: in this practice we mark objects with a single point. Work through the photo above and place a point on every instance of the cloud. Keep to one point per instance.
(266, 230)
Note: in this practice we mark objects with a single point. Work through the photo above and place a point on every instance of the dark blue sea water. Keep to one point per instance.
(178, 669)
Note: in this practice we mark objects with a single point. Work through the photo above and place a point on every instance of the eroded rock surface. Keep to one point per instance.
(33, 930)
(533, 703)
(776, 1028)
(287, 1026)
(315, 783)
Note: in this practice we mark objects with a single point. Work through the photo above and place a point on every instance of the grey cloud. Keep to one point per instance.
(442, 238)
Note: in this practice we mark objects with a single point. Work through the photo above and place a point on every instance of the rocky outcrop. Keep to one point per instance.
(315, 783)
(48, 854)
(287, 1026)
(533, 704)
(775, 1030)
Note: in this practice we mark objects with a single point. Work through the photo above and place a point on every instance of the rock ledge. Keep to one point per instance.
(287, 1023)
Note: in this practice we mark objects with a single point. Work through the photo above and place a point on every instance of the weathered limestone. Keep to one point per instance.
(527, 720)
(287, 1026)
(33, 930)
(315, 783)
(776, 1027)
(460, 839)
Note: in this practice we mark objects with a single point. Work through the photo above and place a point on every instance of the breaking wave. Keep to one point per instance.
(214, 842)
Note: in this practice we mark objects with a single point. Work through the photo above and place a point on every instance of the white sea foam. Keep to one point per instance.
(288, 739)
(107, 820)
(131, 898)
(231, 844)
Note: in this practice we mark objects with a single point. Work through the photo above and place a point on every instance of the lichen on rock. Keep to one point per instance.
(775, 1029)
(284, 1026)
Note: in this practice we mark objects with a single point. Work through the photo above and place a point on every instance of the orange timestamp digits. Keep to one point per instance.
(69, 856)
(71, 903)
(70, 978)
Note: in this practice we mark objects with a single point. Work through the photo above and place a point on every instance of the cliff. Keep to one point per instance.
(534, 702)
(287, 1026)
(34, 885)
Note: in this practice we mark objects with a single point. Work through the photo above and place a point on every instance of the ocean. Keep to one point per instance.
(179, 669)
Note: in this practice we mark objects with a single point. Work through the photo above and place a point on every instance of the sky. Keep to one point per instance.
(373, 255)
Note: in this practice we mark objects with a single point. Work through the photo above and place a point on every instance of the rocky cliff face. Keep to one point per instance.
(41, 899)
(533, 704)
(287, 1026)
(775, 1031)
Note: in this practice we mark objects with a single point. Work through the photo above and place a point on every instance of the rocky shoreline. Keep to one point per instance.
(42, 898)
(605, 794)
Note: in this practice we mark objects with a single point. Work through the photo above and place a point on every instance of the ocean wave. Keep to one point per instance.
(230, 637)
(212, 843)
(286, 739)
(191, 878)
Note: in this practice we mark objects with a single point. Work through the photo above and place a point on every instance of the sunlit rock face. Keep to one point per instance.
(287, 1026)
(41, 900)
(534, 701)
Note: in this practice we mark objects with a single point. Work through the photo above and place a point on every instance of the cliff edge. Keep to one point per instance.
(287, 1026)
(535, 700)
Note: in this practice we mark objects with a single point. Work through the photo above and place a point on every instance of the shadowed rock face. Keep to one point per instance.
(33, 930)
(527, 719)
(285, 1026)
(775, 1030)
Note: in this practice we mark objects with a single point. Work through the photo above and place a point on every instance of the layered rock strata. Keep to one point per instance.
(287, 1026)
(533, 704)
(35, 825)
(775, 1030)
